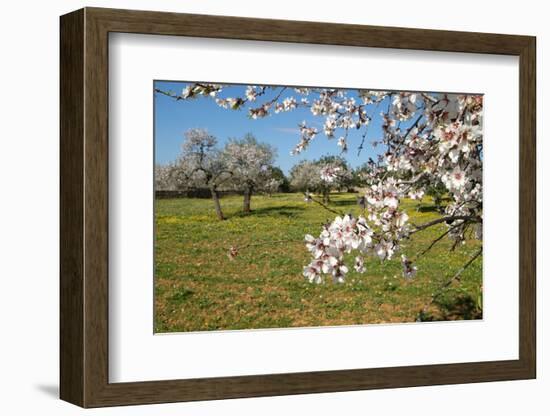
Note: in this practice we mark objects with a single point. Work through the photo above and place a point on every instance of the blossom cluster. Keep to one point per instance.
(329, 173)
(342, 236)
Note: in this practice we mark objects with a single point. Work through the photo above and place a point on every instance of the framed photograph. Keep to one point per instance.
(254, 207)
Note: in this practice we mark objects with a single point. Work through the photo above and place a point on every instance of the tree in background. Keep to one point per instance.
(272, 186)
(335, 173)
(251, 165)
(165, 177)
(305, 176)
(437, 191)
(278, 175)
(202, 165)
(321, 176)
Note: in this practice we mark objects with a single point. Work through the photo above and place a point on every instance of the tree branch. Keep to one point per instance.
(450, 218)
(438, 239)
(168, 94)
(324, 206)
(456, 277)
(403, 138)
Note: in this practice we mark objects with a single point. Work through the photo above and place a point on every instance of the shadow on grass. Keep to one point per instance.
(343, 202)
(281, 210)
(462, 306)
(453, 307)
(428, 208)
(180, 296)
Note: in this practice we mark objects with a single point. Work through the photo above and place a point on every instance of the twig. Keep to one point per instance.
(432, 244)
(325, 206)
(438, 239)
(451, 218)
(456, 277)
(364, 136)
(168, 94)
(413, 125)
(457, 274)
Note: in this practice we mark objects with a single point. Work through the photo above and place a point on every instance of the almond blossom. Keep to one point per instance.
(342, 236)
(409, 270)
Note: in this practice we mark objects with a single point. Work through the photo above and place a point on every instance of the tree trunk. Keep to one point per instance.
(246, 200)
(326, 197)
(217, 206)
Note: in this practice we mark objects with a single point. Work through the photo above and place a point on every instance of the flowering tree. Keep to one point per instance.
(335, 173)
(320, 176)
(201, 165)
(165, 177)
(272, 186)
(305, 176)
(428, 139)
(279, 181)
(250, 163)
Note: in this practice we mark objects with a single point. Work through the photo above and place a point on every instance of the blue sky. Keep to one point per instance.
(173, 118)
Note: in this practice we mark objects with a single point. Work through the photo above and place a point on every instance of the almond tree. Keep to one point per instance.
(427, 139)
(202, 165)
(165, 178)
(335, 175)
(278, 175)
(321, 176)
(305, 176)
(250, 163)
(272, 186)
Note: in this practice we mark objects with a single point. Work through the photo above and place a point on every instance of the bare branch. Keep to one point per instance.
(324, 206)
(450, 218)
(168, 94)
(438, 239)
(456, 277)
(413, 125)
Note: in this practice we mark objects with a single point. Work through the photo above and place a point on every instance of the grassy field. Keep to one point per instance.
(198, 288)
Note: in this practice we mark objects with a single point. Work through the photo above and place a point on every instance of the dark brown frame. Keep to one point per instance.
(84, 207)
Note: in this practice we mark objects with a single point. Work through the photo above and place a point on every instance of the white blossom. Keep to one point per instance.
(359, 265)
(409, 270)
(330, 173)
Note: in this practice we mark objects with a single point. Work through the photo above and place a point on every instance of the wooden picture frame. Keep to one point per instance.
(84, 207)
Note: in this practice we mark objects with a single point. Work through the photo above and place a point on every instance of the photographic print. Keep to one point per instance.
(308, 206)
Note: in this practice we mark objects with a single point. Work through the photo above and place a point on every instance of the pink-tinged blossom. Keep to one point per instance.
(385, 249)
(455, 180)
(289, 104)
(342, 236)
(330, 173)
(251, 93)
(417, 194)
(359, 265)
(409, 270)
(404, 105)
(313, 274)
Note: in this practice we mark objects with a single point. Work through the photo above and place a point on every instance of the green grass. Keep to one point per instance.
(197, 287)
